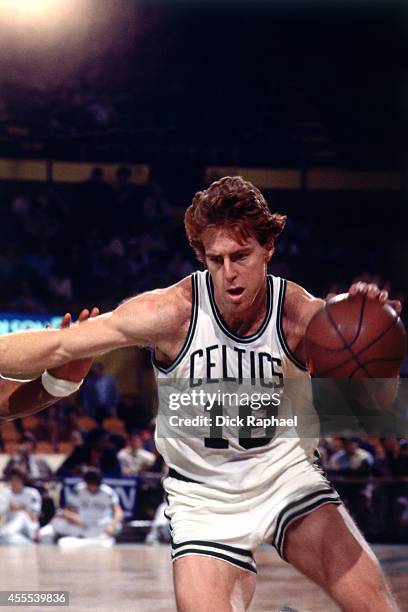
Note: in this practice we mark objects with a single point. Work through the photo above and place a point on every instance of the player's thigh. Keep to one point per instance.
(327, 547)
(205, 584)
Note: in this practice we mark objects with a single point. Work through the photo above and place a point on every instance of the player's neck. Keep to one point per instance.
(248, 322)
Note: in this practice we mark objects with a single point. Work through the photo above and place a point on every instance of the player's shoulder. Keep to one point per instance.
(106, 490)
(172, 304)
(299, 304)
(32, 492)
(109, 493)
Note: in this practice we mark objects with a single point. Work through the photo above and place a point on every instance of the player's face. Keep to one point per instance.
(16, 484)
(237, 265)
(92, 487)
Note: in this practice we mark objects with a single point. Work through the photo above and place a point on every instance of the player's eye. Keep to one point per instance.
(216, 260)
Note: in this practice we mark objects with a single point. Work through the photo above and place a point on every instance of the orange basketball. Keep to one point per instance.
(355, 337)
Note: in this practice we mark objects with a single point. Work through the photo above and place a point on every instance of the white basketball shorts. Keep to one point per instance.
(206, 520)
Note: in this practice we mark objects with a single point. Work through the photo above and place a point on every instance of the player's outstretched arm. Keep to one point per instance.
(145, 320)
(20, 399)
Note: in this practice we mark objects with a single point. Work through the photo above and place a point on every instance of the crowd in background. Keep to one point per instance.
(53, 240)
(127, 239)
(102, 430)
(370, 474)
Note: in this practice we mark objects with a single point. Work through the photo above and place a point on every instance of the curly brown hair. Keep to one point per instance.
(234, 201)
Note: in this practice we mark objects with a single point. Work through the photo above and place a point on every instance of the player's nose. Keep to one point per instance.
(229, 270)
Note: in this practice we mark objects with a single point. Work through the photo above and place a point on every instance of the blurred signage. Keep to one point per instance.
(15, 321)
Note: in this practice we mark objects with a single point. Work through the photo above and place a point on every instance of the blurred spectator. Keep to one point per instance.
(352, 461)
(134, 414)
(160, 529)
(96, 452)
(99, 395)
(24, 459)
(180, 267)
(77, 438)
(124, 192)
(134, 459)
(25, 299)
(402, 462)
(92, 515)
(156, 206)
(398, 456)
(401, 511)
(101, 111)
(40, 261)
(98, 196)
(60, 284)
(20, 507)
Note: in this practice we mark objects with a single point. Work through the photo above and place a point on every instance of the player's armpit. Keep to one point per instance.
(298, 310)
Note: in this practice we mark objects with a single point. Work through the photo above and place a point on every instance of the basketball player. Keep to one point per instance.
(231, 321)
(20, 397)
(21, 510)
(92, 515)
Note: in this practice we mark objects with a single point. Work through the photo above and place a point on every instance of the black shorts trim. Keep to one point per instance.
(234, 549)
(190, 333)
(296, 510)
(216, 555)
(286, 349)
(174, 474)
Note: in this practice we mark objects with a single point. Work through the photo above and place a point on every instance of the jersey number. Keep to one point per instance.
(244, 432)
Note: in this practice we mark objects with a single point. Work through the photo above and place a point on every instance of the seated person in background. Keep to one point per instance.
(351, 460)
(34, 467)
(355, 462)
(160, 529)
(92, 515)
(21, 506)
(97, 452)
(99, 395)
(134, 459)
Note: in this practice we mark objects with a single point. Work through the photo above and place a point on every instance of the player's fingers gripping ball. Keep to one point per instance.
(354, 336)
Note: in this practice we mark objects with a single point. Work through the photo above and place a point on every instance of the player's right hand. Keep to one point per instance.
(76, 370)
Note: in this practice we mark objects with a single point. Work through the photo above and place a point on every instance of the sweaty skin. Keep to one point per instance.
(159, 319)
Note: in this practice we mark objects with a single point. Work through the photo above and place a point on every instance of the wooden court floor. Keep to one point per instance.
(137, 578)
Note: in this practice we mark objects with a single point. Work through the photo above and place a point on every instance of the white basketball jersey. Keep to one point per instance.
(29, 498)
(216, 360)
(93, 508)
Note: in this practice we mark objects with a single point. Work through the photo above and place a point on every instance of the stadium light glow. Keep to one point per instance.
(29, 8)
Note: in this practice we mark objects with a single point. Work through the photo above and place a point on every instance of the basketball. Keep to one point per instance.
(355, 337)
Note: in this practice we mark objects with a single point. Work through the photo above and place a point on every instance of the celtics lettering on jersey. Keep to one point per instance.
(228, 364)
(250, 371)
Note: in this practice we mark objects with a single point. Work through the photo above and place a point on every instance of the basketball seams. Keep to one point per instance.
(332, 320)
(380, 360)
(348, 345)
(361, 351)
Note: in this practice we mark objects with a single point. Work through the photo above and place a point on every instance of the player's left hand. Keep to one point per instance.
(372, 291)
(76, 370)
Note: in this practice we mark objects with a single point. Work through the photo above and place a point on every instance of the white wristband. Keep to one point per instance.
(57, 386)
